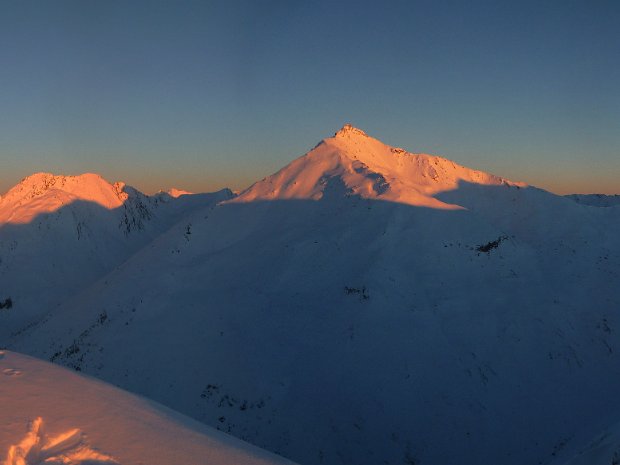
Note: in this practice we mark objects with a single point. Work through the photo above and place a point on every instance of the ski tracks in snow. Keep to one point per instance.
(68, 448)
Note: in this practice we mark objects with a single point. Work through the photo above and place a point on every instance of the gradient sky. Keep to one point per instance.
(202, 95)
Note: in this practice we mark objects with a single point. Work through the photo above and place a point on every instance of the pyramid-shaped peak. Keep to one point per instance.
(358, 164)
(349, 130)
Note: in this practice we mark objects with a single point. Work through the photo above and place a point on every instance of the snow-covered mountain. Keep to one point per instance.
(59, 234)
(367, 305)
(53, 416)
(355, 164)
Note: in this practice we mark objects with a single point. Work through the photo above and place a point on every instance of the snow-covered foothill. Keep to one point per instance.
(59, 234)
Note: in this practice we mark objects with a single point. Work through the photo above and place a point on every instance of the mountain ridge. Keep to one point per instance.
(365, 165)
(326, 316)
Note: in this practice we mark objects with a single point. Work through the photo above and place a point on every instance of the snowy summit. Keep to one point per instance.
(348, 130)
(354, 163)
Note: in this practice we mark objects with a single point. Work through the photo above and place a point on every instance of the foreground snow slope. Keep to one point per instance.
(49, 413)
(359, 307)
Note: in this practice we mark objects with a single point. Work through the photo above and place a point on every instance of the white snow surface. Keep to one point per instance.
(50, 415)
(363, 305)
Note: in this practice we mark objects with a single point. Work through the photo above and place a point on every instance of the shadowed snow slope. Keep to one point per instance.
(365, 305)
(602, 449)
(51, 415)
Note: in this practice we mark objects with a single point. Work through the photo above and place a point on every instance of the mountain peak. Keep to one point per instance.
(349, 130)
(353, 163)
(175, 193)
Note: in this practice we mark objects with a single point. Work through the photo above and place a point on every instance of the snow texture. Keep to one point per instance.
(37, 448)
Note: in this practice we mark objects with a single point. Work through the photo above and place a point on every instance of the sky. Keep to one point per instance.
(211, 94)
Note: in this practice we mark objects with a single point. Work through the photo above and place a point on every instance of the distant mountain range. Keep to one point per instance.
(596, 200)
(362, 305)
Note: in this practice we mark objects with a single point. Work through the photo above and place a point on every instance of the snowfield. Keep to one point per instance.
(362, 305)
(50, 415)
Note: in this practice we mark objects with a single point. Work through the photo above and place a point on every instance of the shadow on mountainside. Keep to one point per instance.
(44, 262)
(349, 330)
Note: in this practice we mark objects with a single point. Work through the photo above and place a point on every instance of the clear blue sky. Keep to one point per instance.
(202, 95)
